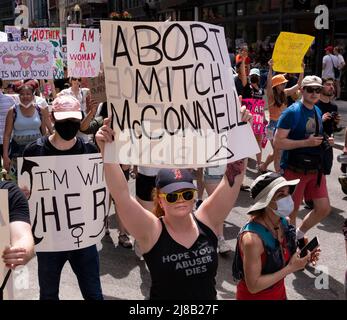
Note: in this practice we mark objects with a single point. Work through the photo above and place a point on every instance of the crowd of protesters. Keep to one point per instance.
(164, 219)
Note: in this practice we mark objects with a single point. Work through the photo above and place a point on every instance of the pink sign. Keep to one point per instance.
(256, 108)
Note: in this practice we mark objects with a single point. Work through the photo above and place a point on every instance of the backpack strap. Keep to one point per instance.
(297, 114)
(38, 109)
(15, 112)
(265, 235)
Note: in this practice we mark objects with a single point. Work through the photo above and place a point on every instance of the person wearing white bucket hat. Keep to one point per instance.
(266, 250)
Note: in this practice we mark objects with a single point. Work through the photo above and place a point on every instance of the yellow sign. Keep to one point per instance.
(290, 49)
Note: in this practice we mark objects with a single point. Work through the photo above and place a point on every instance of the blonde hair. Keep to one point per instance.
(157, 210)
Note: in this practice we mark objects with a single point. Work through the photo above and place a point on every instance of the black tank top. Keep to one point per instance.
(179, 273)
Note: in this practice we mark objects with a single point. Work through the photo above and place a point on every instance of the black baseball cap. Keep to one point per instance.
(171, 180)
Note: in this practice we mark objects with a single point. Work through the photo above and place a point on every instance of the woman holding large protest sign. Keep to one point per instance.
(277, 94)
(179, 247)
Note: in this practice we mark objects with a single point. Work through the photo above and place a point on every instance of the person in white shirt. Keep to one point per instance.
(329, 62)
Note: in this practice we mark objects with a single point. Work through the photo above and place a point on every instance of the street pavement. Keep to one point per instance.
(125, 276)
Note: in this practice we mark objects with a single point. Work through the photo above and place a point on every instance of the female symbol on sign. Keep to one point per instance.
(77, 236)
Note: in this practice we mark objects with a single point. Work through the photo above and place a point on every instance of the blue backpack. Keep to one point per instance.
(274, 259)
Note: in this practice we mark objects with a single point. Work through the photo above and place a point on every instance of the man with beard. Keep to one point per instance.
(66, 117)
(330, 117)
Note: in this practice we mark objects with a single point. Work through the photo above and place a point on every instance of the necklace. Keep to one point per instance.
(273, 229)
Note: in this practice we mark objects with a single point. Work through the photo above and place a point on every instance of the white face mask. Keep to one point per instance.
(285, 206)
(26, 106)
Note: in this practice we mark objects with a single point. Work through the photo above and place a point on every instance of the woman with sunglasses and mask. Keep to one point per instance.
(277, 95)
(266, 246)
(75, 90)
(179, 247)
(88, 107)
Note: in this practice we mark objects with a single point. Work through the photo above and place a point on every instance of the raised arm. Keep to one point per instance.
(243, 76)
(269, 92)
(295, 88)
(143, 225)
(218, 205)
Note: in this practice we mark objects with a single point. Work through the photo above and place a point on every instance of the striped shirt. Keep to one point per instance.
(6, 103)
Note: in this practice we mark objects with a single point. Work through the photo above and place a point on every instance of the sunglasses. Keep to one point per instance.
(312, 89)
(76, 79)
(174, 196)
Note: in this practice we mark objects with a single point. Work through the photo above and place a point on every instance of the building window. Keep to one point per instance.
(187, 15)
(213, 13)
(254, 7)
(240, 9)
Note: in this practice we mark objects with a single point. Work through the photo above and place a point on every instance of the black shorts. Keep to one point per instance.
(144, 187)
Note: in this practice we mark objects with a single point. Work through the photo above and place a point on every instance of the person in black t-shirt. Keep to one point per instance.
(21, 248)
(331, 117)
(66, 116)
(178, 246)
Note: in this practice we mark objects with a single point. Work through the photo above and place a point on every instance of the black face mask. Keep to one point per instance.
(67, 129)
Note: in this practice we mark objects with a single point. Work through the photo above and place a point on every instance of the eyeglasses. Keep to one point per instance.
(76, 79)
(313, 89)
(174, 196)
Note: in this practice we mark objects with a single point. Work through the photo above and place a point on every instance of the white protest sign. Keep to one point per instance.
(4, 241)
(54, 36)
(26, 60)
(172, 95)
(16, 33)
(68, 200)
(3, 36)
(83, 52)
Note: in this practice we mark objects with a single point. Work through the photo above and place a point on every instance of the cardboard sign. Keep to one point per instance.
(68, 203)
(26, 60)
(256, 108)
(97, 87)
(54, 36)
(83, 52)
(171, 94)
(4, 241)
(290, 49)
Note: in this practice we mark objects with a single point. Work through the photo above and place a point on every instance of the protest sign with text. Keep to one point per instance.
(26, 60)
(96, 86)
(68, 203)
(54, 36)
(4, 241)
(290, 49)
(171, 95)
(256, 108)
(83, 52)
(15, 33)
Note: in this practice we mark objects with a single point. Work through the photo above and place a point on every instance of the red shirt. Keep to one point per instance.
(275, 292)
